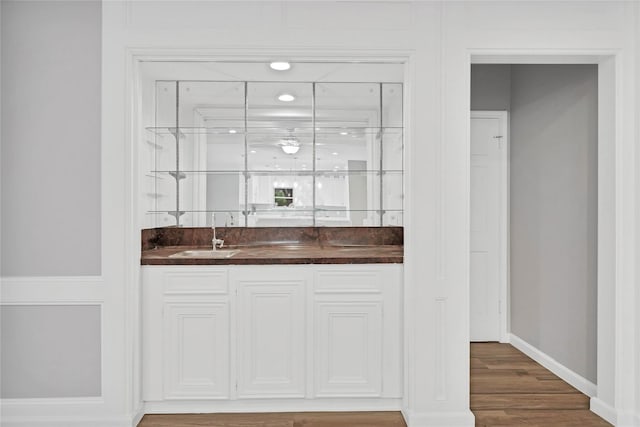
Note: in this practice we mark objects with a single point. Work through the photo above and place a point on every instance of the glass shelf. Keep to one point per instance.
(239, 129)
(183, 173)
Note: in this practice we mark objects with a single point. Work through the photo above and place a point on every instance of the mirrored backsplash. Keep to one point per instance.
(274, 154)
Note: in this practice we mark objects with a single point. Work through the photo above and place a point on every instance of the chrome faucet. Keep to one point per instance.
(215, 242)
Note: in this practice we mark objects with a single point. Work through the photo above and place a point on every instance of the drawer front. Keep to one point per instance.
(360, 281)
(196, 281)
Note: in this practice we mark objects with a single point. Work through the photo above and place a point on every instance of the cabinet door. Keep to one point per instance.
(196, 350)
(271, 338)
(348, 349)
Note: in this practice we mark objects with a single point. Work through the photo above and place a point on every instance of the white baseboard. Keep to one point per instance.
(63, 412)
(603, 410)
(138, 417)
(439, 419)
(60, 421)
(627, 420)
(271, 405)
(577, 381)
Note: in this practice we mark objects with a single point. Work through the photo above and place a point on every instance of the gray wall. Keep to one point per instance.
(39, 361)
(50, 167)
(50, 192)
(554, 211)
(553, 203)
(491, 87)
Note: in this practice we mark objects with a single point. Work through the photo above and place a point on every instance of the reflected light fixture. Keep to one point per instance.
(280, 65)
(290, 145)
(232, 131)
(286, 97)
(290, 149)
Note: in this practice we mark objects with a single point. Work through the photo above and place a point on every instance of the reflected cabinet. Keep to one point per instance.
(256, 154)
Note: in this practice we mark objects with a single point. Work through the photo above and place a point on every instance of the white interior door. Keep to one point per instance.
(488, 225)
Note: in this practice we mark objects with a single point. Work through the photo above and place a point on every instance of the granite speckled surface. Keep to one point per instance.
(290, 245)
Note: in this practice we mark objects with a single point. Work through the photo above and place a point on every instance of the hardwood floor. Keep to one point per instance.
(302, 419)
(510, 389)
(507, 389)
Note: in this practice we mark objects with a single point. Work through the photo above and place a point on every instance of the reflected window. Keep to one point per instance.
(283, 196)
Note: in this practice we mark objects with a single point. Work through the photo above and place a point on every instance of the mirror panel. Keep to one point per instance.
(331, 154)
(392, 149)
(392, 105)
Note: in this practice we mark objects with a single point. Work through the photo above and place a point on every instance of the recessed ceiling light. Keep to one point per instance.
(286, 97)
(335, 153)
(232, 131)
(343, 133)
(253, 151)
(280, 65)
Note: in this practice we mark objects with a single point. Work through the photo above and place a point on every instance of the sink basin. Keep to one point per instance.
(219, 253)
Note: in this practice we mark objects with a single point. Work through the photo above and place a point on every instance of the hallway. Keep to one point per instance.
(510, 389)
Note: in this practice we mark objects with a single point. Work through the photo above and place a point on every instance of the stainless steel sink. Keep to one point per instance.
(218, 253)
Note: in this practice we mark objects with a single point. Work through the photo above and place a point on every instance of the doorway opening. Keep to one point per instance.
(534, 215)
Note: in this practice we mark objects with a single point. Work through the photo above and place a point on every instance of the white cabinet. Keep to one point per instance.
(196, 350)
(186, 333)
(348, 348)
(358, 331)
(245, 333)
(271, 333)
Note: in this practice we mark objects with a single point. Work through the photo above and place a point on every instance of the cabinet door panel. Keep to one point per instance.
(348, 349)
(271, 339)
(197, 350)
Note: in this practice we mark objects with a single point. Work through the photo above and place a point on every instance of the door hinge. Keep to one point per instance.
(499, 139)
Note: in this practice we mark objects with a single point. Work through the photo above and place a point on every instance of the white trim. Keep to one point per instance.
(438, 419)
(576, 380)
(66, 421)
(52, 290)
(44, 401)
(539, 56)
(19, 413)
(504, 237)
(134, 58)
(616, 314)
(272, 405)
(603, 410)
(138, 416)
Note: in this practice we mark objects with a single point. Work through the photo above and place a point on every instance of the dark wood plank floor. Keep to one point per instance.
(507, 389)
(510, 389)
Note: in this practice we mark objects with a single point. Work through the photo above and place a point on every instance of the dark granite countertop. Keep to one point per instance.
(301, 245)
(280, 254)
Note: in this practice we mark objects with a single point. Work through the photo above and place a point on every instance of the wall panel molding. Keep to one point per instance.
(52, 290)
(441, 351)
